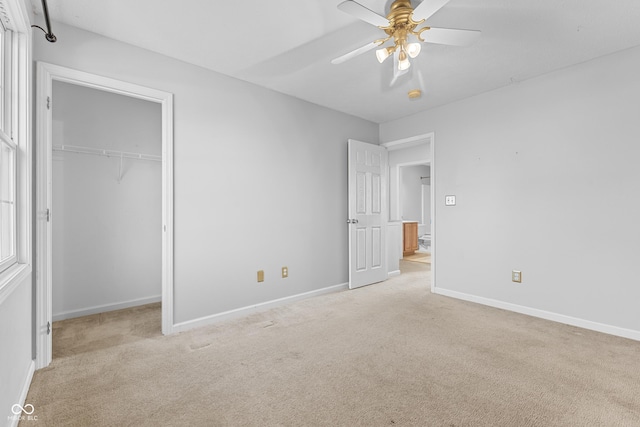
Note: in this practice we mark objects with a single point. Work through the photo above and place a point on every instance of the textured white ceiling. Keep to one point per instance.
(287, 45)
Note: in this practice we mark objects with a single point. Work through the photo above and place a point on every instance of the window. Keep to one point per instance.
(7, 204)
(6, 74)
(8, 152)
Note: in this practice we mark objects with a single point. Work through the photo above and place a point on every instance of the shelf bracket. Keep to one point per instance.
(120, 168)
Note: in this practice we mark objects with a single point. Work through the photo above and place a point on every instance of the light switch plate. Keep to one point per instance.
(449, 200)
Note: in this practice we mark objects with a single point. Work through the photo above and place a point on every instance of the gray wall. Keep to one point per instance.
(546, 178)
(16, 349)
(260, 177)
(107, 244)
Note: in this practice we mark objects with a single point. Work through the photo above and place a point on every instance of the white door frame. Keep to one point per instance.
(411, 142)
(46, 75)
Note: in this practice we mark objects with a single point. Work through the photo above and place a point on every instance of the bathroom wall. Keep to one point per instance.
(425, 228)
(419, 154)
(411, 192)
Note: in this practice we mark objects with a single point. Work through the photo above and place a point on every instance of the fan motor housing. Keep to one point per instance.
(400, 16)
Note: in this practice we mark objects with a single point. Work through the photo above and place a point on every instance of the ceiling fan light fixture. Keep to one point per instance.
(383, 54)
(413, 49)
(400, 25)
(403, 60)
(403, 64)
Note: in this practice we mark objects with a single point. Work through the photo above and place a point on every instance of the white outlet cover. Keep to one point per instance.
(449, 200)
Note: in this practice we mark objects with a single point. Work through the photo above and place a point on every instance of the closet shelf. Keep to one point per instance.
(107, 153)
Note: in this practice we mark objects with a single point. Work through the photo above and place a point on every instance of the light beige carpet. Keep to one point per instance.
(387, 354)
(422, 257)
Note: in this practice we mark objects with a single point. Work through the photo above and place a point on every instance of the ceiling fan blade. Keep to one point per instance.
(354, 53)
(450, 36)
(427, 8)
(367, 15)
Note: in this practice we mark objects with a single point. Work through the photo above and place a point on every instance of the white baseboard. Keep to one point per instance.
(14, 419)
(393, 273)
(104, 308)
(561, 318)
(244, 311)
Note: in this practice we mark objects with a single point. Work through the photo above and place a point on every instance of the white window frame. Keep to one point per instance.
(9, 162)
(7, 102)
(6, 73)
(17, 129)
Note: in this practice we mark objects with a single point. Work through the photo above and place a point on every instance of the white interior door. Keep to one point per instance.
(367, 213)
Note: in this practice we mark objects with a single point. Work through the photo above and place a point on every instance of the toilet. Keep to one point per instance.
(425, 241)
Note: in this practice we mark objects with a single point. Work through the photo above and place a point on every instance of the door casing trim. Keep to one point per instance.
(46, 75)
(426, 138)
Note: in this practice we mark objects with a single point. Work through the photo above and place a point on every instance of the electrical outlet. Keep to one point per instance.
(516, 276)
(260, 275)
(449, 200)
(285, 272)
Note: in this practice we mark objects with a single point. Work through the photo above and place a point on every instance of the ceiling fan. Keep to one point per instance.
(400, 24)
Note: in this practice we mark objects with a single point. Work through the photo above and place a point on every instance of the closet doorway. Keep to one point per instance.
(107, 202)
(104, 199)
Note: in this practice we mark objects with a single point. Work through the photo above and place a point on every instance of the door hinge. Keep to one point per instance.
(48, 328)
(48, 103)
(47, 215)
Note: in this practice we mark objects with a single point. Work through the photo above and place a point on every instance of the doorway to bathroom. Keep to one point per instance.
(411, 205)
(415, 211)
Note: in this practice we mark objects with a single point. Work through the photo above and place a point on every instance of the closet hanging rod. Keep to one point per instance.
(107, 153)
